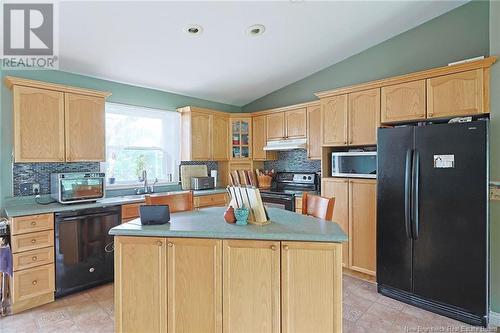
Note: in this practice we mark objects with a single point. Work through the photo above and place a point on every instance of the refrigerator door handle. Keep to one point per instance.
(408, 192)
(415, 194)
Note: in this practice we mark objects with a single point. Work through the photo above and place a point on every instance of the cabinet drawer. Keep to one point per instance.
(35, 240)
(33, 282)
(130, 211)
(31, 223)
(33, 258)
(210, 200)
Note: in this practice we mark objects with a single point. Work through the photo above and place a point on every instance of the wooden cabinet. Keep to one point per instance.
(314, 132)
(210, 200)
(338, 188)
(251, 277)
(275, 126)
(363, 225)
(311, 275)
(130, 211)
(38, 125)
(403, 102)
(241, 138)
(200, 136)
(296, 124)
(456, 94)
(220, 134)
(31, 223)
(259, 140)
(364, 117)
(194, 285)
(298, 205)
(334, 120)
(140, 284)
(31, 283)
(85, 130)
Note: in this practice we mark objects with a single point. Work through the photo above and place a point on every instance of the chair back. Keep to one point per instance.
(317, 206)
(178, 202)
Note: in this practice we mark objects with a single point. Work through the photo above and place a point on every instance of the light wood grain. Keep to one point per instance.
(251, 286)
(314, 132)
(32, 302)
(403, 102)
(84, 128)
(457, 94)
(140, 284)
(364, 117)
(31, 223)
(38, 125)
(275, 126)
(200, 137)
(194, 285)
(363, 225)
(312, 287)
(334, 121)
(284, 108)
(296, 124)
(211, 200)
(31, 241)
(259, 140)
(33, 258)
(219, 138)
(33, 282)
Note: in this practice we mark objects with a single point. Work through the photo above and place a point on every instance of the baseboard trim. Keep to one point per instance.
(495, 319)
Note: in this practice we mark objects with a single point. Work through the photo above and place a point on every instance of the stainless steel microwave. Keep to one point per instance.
(354, 164)
(77, 186)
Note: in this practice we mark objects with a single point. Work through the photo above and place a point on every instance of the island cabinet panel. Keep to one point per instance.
(296, 124)
(314, 132)
(403, 102)
(251, 286)
(194, 285)
(200, 136)
(276, 126)
(140, 284)
(220, 135)
(38, 125)
(364, 117)
(311, 276)
(334, 120)
(456, 94)
(85, 129)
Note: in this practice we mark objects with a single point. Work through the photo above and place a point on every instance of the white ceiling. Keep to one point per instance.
(143, 43)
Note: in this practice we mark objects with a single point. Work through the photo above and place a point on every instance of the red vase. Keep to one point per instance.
(229, 215)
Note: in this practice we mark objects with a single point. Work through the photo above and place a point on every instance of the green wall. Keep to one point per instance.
(459, 34)
(495, 155)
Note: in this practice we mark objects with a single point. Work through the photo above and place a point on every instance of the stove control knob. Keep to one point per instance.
(304, 177)
(309, 177)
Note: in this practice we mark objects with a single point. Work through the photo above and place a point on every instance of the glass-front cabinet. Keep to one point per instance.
(241, 138)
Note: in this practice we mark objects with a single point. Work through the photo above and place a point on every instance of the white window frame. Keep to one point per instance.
(133, 110)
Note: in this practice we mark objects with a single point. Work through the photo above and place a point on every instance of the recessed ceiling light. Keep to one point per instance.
(256, 29)
(194, 29)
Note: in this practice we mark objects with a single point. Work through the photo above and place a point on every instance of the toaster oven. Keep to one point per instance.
(77, 186)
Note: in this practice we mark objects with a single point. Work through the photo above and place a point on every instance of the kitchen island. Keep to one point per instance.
(200, 274)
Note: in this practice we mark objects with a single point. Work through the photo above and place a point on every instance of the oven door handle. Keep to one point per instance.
(81, 217)
(275, 196)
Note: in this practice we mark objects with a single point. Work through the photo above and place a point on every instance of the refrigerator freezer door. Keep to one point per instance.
(394, 244)
(450, 249)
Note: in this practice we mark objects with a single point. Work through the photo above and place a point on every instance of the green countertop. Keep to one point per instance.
(209, 223)
(24, 206)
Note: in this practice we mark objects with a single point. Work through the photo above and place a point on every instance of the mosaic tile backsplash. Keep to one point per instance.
(293, 160)
(25, 174)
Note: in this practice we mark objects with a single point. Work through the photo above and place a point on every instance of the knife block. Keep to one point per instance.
(249, 197)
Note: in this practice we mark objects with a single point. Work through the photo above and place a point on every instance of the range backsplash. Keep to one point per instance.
(25, 174)
(293, 160)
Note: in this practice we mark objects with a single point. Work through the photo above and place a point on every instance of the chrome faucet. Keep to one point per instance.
(144, 179)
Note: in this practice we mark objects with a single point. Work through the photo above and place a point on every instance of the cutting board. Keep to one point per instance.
(189, 171)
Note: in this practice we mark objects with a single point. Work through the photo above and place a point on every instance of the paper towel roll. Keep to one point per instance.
(213, 173)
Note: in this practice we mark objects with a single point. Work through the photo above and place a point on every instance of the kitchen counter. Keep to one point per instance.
(209, 223)
(22, 206)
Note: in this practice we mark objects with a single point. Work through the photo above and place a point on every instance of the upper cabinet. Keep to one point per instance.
(364, 117)
(314, 131)
(287, 125)
(204, 134)
(259, 140)
(275, 126)
(56, 123)
(241, 130)
(403, 102)
(457, 94)
(334, 120)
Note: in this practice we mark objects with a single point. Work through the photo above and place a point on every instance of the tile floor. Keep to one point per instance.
(364, 311)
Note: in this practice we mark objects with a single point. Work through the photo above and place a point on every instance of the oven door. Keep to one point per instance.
(81, 189)
(286, 202)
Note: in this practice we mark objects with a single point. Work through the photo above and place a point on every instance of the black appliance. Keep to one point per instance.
(84, 249)
(286, 185)
(432, 218)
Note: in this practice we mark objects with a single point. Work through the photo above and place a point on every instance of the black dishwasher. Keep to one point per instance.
(84, 249)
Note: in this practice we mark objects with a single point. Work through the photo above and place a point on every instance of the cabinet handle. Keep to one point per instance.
(285, 247)
(35, 282)
(34, 258)
(33, 223)
(170, 244)
(273, 247)
(33, 241)
(159, 243)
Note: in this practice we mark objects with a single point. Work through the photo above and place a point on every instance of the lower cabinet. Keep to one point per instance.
(211, 285)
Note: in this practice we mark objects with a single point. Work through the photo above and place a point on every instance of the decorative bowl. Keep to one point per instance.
(241, 215)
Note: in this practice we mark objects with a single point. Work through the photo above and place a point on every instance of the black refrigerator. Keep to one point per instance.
(432, 218)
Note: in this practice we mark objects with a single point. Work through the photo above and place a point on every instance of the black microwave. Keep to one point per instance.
(354, 164)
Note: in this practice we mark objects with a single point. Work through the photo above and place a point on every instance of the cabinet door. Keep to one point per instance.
(85, 128)
(364, 117)
(314, 132)
(194, 285)
(220, 138)
(403, 102)
(363, 225)
(339, 189)
(140, 284)
(38, 125)
(251, 286)
(334, 120)
(311, 276)
(259, 138)
(200, 136)
(276, 126)
(457, 94)
(296, 124)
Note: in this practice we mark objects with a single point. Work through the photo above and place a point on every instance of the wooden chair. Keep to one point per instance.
(178, 202)
(317, 206)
